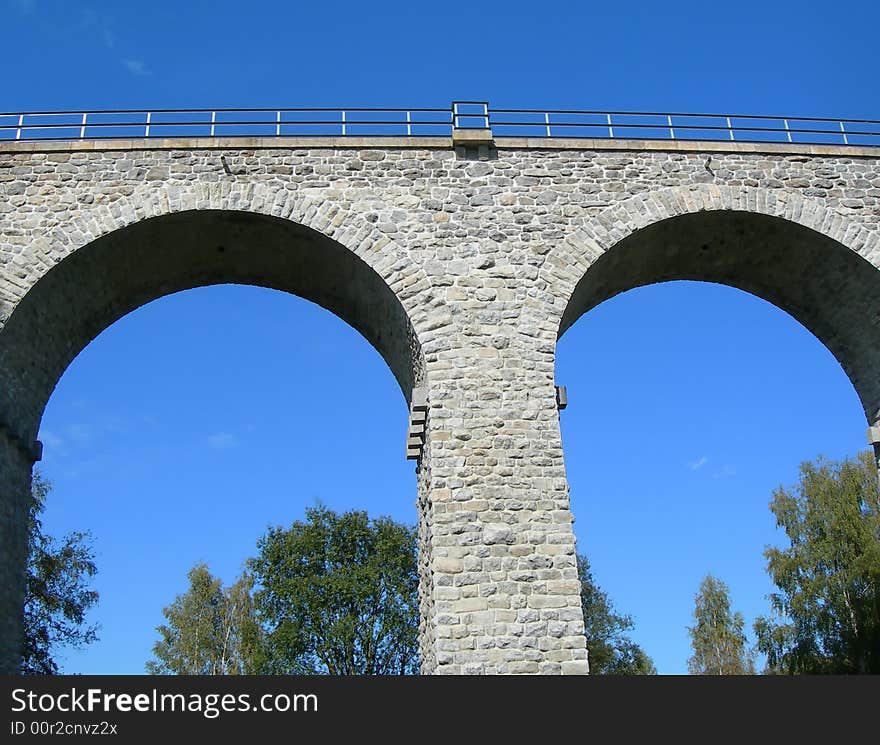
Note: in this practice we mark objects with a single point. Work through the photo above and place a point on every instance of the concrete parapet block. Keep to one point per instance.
(472, 136)
(473, 143)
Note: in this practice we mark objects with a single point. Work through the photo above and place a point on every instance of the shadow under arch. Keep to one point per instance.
(118, 272)
(828, 288)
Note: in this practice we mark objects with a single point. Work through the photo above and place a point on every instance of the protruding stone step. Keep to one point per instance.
(418, 417)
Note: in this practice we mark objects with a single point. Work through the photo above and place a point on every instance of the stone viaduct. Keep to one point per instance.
(462, 261)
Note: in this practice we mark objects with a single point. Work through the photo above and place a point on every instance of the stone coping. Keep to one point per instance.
(433, 143)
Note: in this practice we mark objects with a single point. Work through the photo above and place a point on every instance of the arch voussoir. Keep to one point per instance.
(596, 234)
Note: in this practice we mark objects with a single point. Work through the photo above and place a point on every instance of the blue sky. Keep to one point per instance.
(190, 425)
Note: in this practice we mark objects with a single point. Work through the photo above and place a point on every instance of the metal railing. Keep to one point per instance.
(643, 125)
(432, 122)
(167, 123)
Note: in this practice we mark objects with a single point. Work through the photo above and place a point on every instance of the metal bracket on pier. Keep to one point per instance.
(561, 397)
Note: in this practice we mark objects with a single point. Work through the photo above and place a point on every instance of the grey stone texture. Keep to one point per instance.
(462, 268)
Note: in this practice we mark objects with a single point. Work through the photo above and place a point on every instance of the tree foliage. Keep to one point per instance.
(718, 638)
(211, 630)
(57, 592)
(826, 612)
(338, 594)
(610, 651)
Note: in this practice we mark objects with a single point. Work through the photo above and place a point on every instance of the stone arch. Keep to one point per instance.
(109, 259)
(279, 239)
(811, 261)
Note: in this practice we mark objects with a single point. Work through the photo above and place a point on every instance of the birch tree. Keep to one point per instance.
(826, 612)
(210, 630)
(717, 636)
(58, 593)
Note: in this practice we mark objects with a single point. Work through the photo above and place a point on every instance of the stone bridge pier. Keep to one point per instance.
(500, 585)
(462, 265)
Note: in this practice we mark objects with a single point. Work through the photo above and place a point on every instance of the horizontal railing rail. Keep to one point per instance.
(644, 125)
(110, 124)
(260, 122)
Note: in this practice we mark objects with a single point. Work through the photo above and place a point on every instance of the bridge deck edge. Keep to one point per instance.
(435, 143)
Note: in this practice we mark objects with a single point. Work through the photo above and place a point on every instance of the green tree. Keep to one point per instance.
(211, 630)
(826, 613)
(337, 594)
(717, 636)
(610, 651)
(57, 594)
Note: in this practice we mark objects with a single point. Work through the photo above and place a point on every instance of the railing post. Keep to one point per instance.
(213, 120)
(343, 124)
(610, 129)
(671, 130)
(843, 131)
(147, 128)
(787, 130)
(82, 129)
(729, 127)
(277, 123)
(455, 115)
(20, 122)
(547, 122)
(408, 124)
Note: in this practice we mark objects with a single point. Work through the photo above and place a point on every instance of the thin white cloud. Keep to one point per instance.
(136, 67)
(98, 25)
(23, 6)
(698, 464)
(222, 440)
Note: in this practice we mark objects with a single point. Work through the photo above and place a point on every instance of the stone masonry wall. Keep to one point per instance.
(484, 256)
